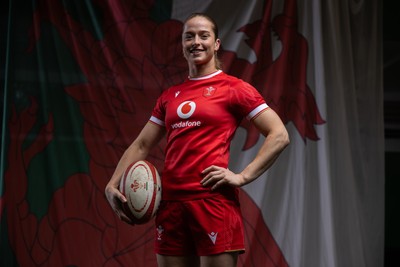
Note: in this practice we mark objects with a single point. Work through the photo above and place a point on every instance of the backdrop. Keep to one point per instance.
(80, 81)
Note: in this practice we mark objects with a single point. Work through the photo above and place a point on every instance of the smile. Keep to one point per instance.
(195, 51)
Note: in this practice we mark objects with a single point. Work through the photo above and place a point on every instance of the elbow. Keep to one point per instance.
(287, 139)
(283, 139)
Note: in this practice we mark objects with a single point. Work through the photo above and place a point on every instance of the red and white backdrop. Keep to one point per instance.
(81, 78)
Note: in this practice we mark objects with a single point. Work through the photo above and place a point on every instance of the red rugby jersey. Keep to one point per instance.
(201, 116)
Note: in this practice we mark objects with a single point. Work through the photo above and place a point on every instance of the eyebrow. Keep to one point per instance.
(200, 32)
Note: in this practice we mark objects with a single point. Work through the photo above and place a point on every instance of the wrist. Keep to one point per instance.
(244, 179)
(111, 185)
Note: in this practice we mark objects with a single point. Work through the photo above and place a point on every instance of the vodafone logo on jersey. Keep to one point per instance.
(186, 109)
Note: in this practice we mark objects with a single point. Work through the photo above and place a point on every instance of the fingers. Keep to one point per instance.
(122, 216)
(216, 177)
(116, 199)
(114, 196)
(121, 197)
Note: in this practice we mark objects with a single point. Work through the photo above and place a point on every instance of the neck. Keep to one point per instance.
(196, 71)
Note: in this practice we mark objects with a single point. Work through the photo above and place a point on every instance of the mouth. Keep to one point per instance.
(195, 51)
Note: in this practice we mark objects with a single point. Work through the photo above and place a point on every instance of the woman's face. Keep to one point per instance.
(198, 41)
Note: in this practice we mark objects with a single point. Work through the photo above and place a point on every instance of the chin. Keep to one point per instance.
(201, 60)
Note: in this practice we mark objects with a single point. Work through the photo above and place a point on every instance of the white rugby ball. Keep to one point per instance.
(141, 185)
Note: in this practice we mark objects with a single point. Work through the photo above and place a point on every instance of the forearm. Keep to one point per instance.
(133, 153)
(276, 139)
(273, 145)
(150, 135)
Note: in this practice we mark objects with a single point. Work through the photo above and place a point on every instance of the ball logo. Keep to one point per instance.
(186, 109)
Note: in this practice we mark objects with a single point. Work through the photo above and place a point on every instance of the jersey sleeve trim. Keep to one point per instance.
(255, 112)
(157, 121)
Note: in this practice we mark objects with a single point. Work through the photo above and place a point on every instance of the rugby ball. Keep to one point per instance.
(141, 185)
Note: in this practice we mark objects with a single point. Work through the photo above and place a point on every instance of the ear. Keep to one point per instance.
(217, 45)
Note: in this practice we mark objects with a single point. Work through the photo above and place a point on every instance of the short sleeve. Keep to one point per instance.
(246, 100)
(158, 113)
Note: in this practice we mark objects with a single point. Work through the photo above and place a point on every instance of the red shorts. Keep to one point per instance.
(199, 227)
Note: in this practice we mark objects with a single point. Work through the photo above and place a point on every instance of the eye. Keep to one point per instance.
(188, 36)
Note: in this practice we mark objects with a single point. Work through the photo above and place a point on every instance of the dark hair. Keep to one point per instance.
(218, 64)
(214, 24)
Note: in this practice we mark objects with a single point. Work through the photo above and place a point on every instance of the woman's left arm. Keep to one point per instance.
(276, 139)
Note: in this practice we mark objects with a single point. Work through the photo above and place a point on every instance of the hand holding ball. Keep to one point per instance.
(141, 185)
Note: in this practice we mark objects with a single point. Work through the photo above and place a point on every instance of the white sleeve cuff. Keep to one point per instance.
(157, 121)
(256, 111)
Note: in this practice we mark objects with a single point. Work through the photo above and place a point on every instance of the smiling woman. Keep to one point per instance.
(199, 191)
(200, 45)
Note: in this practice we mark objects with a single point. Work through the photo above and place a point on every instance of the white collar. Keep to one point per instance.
(205, 77)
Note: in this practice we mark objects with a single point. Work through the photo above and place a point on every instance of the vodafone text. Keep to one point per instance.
(184, 124)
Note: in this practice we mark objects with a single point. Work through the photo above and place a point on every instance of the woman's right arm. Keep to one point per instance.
(148, 138)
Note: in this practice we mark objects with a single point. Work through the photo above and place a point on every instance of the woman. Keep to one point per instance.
(199, 221)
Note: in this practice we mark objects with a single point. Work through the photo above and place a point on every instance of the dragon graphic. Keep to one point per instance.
(126, 69)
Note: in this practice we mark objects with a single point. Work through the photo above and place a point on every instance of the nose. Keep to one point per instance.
(196, 39)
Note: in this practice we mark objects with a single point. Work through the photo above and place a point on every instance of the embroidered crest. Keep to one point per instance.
(209, 91)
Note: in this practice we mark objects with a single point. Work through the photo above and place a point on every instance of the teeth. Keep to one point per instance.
(194, 49)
